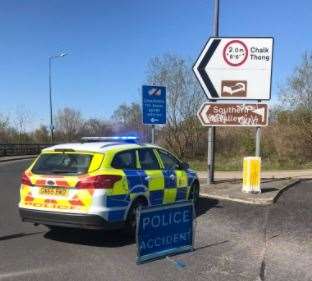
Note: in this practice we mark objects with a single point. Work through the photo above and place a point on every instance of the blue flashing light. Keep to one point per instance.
(125, 138)
(128, 139)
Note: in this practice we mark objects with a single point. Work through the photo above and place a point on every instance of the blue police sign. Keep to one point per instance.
(154, 105)
(164, 230)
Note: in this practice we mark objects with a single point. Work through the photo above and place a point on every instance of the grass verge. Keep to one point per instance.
(236, 164)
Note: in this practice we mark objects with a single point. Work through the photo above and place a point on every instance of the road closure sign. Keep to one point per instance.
(154, 105)
(236, 68)
(165, 230)
(233, 114)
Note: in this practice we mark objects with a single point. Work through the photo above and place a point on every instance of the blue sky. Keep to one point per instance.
(111, 43)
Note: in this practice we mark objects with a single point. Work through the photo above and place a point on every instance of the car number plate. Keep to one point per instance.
(54, 191)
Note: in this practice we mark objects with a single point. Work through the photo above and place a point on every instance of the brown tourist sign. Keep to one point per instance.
(233, 114)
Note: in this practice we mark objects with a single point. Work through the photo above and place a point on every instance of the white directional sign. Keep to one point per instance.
(236, 68)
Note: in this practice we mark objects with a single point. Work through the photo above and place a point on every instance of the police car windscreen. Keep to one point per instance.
(62, 163)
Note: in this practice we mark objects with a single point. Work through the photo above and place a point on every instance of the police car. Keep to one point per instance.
(100, 182)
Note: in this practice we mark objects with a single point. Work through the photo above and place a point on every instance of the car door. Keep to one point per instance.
(152, 176)
(176, 180)
(127, 162)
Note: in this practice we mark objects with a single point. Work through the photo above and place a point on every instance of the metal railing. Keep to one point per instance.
(15, 149)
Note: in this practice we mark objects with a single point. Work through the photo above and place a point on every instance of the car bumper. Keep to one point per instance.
(74, 220)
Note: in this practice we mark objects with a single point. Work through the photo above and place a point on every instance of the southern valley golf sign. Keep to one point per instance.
(236, 68)
(229, 114)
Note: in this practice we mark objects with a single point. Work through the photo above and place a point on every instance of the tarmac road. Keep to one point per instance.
(233, 242)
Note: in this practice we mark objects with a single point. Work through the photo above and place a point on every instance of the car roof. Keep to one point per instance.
(100, 147)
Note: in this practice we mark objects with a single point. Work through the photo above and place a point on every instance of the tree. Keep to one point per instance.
(22, 117)
(127, 119)
(296, 97)
(41, 135)
(4, 127)
(184, 97)
(297, 93)
(96, 128)
(69, 124)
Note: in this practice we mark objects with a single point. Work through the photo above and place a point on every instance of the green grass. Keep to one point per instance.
(223, 165)
(236, 164)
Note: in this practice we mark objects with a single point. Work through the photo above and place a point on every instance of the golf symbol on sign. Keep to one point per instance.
(154, 105)
(236, 68)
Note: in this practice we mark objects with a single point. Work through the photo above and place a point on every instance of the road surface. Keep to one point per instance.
(233, 242)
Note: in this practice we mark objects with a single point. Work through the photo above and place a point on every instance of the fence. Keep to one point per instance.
(14, 149)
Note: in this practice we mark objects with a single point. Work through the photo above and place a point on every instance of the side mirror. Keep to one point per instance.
(184, 166)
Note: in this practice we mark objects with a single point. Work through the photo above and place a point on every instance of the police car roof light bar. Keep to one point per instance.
(128, 139)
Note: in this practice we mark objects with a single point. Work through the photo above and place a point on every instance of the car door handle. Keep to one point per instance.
(172, 177)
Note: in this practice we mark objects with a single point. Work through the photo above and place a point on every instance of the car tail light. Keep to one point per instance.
(98, 182)
(25, 180)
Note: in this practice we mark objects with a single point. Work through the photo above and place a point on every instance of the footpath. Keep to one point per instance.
(228, 185)
(280, 174)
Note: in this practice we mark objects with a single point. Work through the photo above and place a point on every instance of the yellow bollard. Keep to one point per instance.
(251, 174)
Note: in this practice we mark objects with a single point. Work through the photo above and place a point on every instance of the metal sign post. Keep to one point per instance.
(153, 134)
(154, 106)
(212, 130)
(258, 140)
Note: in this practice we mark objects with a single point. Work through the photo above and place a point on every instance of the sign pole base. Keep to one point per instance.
(258, 141)
(210, 160)
(153, 134)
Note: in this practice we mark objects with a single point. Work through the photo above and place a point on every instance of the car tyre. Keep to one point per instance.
(55, 228)
(131, 223)
(194, 196)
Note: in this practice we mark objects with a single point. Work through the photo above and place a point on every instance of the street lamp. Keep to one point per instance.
(50, 91)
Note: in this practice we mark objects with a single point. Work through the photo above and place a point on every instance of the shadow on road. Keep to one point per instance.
(264, 190)
(116, 238)
(205, 204)
(18, 235)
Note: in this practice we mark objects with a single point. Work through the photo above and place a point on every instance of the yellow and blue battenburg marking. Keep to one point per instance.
(160, 190)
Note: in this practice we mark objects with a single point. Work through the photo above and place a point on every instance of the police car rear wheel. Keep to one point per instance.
(194, 196)
(55, 228)
(131, 219)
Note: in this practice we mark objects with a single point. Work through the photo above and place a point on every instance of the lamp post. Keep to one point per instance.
(50, 92)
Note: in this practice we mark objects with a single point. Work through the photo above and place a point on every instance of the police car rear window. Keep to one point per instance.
(62, 163)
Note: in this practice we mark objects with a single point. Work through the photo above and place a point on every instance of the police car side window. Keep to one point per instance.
(169, 161)
(148, 159)
(124, 160)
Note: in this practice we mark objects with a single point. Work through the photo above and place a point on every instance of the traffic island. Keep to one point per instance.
(231, 190)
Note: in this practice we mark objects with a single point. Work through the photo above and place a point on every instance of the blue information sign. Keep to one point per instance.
(165, 230)
(154, 105)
